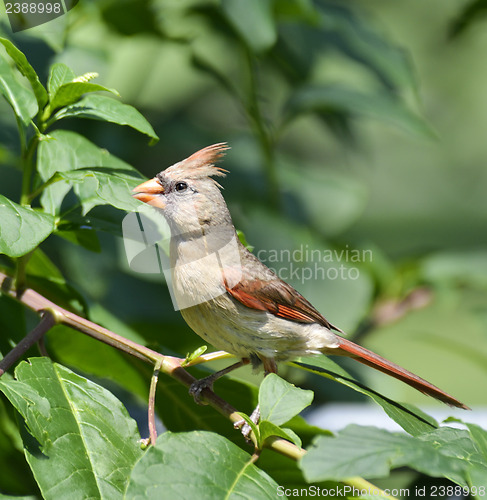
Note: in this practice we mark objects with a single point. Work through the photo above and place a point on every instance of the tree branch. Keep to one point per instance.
(48, 320)
(170, 365)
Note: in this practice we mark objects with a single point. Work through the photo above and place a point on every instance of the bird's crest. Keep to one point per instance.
(201, 164)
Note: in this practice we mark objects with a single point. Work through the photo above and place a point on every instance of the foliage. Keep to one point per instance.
(74, 430)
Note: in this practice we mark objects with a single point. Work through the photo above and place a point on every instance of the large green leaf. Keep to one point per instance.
(82, 442)
(200, 465)
(253, 20)
(69, 151)
(104, 108)
(280, 401)
(410, 418)
(27, 70)
(329, 99)
(22, 228)
(22, 100)
(372, 452)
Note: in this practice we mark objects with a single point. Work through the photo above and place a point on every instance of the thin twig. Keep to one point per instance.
(47, 321)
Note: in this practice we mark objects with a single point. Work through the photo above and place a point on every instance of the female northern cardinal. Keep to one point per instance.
(227, 296)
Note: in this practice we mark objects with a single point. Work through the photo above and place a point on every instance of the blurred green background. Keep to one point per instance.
(353, 125)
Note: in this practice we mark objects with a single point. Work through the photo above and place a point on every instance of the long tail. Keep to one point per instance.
(369, 358)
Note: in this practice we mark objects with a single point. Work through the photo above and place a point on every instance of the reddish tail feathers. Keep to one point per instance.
(369, 358)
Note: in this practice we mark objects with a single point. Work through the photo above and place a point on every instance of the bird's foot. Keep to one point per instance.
(244, 427)
(198, 386)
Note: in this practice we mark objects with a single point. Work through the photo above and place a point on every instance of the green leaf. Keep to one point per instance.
(198, 465)
(372, 452)
(27, 70)
(456, 268)
(22, 228)
(354, 37)
(12, 323)
(297, 10)
(268, 429)
(104, 186)
(22, 100)
(131, 17)
(253, 20)
(71, 92)
(27, 402)
(83, 236)
(280, 401)
(69, 151)
(470, 13)
(12, 456)
(58, 76)
(410, 418)
(86, 444)
(330, 99)
(105, 108)
(479, 437)
(253, 426)
(190, 356)
(44, 276)
(288, 474)
(93, 357)
(243, 240)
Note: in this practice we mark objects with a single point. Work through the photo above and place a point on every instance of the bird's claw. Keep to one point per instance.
(197, 387)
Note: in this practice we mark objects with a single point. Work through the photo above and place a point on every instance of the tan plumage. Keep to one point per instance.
(227, 296)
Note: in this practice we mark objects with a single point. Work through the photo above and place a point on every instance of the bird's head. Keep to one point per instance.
(187, 193)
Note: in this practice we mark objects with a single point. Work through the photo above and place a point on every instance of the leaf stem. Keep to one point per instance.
(152, 402)
(34, 194)
(20, 127)
(27, 169)
(21, 264)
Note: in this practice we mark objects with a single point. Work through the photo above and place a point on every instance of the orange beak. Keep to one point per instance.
(150, 192)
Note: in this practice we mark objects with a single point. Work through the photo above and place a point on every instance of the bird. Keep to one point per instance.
(229, 297)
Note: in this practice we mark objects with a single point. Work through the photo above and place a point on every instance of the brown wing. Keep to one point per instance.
(279, 298)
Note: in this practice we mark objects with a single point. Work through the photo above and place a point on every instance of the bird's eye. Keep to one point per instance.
(181, 186)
